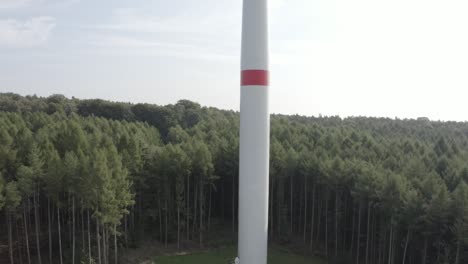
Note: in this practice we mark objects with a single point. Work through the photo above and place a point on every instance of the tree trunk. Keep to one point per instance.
(201, 213)
(160, 219)
(178, 226)
(209, 210)
(36, 220)
(104, 248)
(457, 256)
(353, 211)
(125, 232)
(187, 210)
(195, 210)
(29, 214)
(89, 238)
(358, 245)
(107, 245)
(394, 248)
(98, 240)
(233, 203)
(166, 222)
(132, 219)
(336, 222)
(19, 241)
(25, 219)
(390, 243)
(381, 239)
(279, 203)
(298, 227)
(270, 211)
(115, 245)
(291, 206)
(59, 235)
(50, 230)
(345, 223)
(372, 242)
(105, 232)
(368, 230)
(424, 258)
(10, 237)
(406, 246)
(326, 223)
(312, 219)
(223, 214)
(68, 221)
(83, 244)
(73, 229)
(305, 208)
(104, 244)
(319, 218)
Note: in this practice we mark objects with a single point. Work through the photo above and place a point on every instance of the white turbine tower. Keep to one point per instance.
(254, 135)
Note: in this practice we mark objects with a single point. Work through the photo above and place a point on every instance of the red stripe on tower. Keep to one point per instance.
(254, 77)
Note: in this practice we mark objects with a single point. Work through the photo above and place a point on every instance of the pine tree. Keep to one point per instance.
(36, 164)
(11, 200)
(460, 212)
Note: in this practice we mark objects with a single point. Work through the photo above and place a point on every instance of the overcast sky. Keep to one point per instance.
(399, 58)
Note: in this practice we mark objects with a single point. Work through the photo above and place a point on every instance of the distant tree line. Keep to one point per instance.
(81, 179)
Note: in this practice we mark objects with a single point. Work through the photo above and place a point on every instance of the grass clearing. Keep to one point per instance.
(226, 255)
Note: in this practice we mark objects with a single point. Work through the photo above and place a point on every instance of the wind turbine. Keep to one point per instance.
(254, 135)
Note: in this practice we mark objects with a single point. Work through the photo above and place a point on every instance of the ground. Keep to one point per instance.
(226, 255)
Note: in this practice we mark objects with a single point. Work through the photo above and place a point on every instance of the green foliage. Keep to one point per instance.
(12, 196)
(25, 176)
(364, 185)
(2, 195)
(460, 211)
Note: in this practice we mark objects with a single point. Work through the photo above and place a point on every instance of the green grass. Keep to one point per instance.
(224, 256)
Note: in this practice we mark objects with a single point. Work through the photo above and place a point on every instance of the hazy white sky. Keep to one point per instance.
(399, 58)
